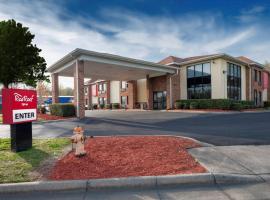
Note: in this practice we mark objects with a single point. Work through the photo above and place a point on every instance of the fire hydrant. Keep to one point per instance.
(78, 139)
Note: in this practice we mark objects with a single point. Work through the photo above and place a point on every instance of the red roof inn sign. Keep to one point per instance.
(19, 106)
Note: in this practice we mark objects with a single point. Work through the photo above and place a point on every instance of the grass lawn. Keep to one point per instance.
(15, 167)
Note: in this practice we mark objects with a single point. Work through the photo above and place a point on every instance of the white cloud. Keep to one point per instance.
(130, 34)
(251, 15)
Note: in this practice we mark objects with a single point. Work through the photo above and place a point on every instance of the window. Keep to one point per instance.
(102, 101)
(104, 87)
(124, 85)
(199, 81)
(260, 77)
(100, 87)
(260, 98)
(124, 101)
(255, 75)
(255, 97)
(233, 81)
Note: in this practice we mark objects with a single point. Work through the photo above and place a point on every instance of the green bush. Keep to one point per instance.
(266, 104)
(101, 106)
(0, 108)
(108, 106)
(42, 109)
(236, 106)
(62, 109)
(94, 106)
(224, 104)
(194, 105)
(115, 105)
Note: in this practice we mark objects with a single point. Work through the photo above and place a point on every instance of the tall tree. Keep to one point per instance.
(20, 61)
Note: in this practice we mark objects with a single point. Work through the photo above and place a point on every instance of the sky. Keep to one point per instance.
(145, 29)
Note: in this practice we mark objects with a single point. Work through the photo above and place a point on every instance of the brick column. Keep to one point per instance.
(173, 89)
(132, 94)
(55, 88)
(149, 93)
(79, 89)
(89, 96)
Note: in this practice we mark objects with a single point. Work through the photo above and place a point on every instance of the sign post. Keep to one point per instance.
(19, 110)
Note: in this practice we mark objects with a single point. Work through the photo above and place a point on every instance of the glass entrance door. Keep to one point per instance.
(159, 100)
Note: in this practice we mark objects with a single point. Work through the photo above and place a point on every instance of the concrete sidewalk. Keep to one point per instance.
(252, 160)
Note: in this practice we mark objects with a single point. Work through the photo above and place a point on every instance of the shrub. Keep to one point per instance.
(266, 104)
(224, 104)
(0, 108)
(94, 106)
(101, 106)
(62, 109)
(108, 106)
(115, 105)
(236, 106)
(42, 109)
(194, 105)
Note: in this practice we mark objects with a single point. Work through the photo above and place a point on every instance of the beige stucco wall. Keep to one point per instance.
(218, 79)
(183, 82)
(115, 91)
(141, 90)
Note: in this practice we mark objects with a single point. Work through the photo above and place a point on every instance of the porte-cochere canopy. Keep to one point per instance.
(82, 64)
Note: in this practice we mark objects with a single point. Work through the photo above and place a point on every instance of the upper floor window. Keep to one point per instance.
(260, 77)
(234, 81)
(102, 87)
(124, 85)
(255, 75)
(199, 81)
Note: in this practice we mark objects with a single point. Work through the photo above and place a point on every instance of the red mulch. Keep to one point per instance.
(109, 157)
(49, 117)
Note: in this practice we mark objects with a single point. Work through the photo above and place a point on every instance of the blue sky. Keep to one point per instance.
(149, 30)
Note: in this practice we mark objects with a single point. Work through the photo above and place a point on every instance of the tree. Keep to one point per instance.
(20, 61)
(65, 91)
(43, 91)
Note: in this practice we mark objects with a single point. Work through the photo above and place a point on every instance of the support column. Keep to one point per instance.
(79, 89)
(149, 93)
(55, 88)
(89, 96)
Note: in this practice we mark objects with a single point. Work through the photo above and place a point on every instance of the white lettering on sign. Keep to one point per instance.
(20, 98)
(24, 115)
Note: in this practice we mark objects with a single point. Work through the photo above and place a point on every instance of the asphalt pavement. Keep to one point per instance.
(223, 129)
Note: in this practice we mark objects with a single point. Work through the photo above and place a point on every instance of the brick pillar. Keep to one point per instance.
(149, 92)
(173, 89)
(132, 94)
(55, 88)
(79, 89)
(89, 96)
(108, 92)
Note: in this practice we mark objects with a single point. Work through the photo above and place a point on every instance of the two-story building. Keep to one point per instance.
(140, 84)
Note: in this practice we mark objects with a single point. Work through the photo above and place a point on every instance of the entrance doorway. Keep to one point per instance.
(159, 100)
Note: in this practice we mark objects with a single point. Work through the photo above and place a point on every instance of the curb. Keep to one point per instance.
(130, 182)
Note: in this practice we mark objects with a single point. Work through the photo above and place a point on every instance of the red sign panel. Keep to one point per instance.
(19, 106)
(94, 90)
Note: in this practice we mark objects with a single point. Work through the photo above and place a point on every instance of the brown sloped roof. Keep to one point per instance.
(170, 59)
(173, 59)
(249, 61)
(245, 59)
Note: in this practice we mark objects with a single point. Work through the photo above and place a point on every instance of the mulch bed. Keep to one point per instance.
(109, 157)
(49, 117)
